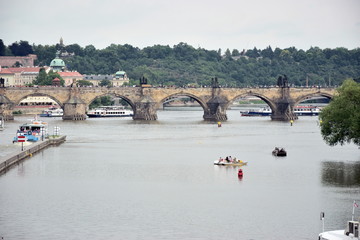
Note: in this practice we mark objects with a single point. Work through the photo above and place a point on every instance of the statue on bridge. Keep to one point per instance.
(2, 83)
(214, 82)
(143, 80)
(283, 81)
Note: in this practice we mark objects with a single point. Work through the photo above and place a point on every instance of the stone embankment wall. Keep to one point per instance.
(11, 159)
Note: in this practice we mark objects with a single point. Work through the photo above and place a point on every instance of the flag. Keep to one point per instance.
(355, 204)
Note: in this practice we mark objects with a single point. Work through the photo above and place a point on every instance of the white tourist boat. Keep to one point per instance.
(109, 111)
(52, 112)
(298, 110)
(31, 132)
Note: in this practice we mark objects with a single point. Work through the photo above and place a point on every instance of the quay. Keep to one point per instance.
(7, 161)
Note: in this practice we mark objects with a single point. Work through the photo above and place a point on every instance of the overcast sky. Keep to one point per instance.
(209, 24)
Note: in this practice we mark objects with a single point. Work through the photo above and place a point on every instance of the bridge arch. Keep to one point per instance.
(197, 99)
(61, 104)
(262, 97)
(131, 103)
(317, 94)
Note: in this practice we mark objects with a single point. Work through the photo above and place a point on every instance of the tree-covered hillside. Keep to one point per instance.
(183, 64)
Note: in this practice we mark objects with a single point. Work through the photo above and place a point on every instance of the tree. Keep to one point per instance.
(340, 120)
(2, 48)
(21, 49)
(46, 79)
(105, 83)
(84, 83)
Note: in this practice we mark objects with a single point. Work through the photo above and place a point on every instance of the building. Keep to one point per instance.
(11, 61)
(20, 76)
(70, 77)
(117, 79)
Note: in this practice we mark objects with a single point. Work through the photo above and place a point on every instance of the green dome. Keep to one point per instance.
(120, 73)
(57, 62)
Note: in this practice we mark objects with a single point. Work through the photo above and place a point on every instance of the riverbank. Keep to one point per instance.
(7, 161)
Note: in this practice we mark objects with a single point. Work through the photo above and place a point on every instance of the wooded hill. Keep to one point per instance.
(183, 64)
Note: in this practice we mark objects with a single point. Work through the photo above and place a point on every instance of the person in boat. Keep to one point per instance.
(227, 159)
(220, 159)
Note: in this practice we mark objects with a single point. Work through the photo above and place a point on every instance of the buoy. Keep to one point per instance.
(30, 155)
(240, 173)
(219, 124)
(291, 122)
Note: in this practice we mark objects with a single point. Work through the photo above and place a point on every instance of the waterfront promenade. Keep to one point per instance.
(12, 158)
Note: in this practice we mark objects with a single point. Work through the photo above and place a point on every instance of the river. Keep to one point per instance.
(125, 179)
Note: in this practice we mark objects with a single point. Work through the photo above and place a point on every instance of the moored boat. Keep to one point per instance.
(31, 131)
(110, 111)
(2, 123)
(52, 112)
(351, 232)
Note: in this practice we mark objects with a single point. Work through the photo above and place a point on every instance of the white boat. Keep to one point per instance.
(52, 112)
(2, 123)
(109, 111)
(351, 232)
(31, 132)
(298, 110)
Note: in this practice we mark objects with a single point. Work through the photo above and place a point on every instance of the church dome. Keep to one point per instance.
(57, 62)
(120, 73)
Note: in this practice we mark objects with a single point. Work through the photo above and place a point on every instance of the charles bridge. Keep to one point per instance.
(146, 100)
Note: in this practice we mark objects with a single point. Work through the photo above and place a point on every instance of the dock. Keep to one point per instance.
(7, 161)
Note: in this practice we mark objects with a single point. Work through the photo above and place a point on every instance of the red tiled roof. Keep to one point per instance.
(5, 71)
(69, 74)
(24, 69)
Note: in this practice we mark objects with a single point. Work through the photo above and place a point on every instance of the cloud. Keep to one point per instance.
(210, 24)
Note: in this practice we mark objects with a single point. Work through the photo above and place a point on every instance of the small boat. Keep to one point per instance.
(31, 131)
(298, 110)
(52, 112)
(279, 152)
(235, 162)
(109, 111)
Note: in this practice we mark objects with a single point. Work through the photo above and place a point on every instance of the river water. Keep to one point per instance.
(125, 179)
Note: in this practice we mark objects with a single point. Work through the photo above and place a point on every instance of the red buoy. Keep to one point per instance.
(240, 173)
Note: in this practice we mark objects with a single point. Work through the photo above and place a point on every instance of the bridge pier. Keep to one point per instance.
(283, 109)
(216, 110)
(74, 109)
(6, 108)
(145, 110)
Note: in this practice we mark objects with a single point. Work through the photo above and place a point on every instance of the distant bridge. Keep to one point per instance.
(145, 101)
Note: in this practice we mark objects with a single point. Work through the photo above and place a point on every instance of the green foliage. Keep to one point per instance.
(84, 83)
(44, 78)
(183, 64)
(21, 49)
(340, 120)
(105, 83)
(101, 101)
(2, 48)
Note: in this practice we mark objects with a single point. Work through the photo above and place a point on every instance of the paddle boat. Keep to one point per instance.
(232, 162)
(279, 152)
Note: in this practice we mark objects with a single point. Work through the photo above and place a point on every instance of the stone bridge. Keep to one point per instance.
(145, 101)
